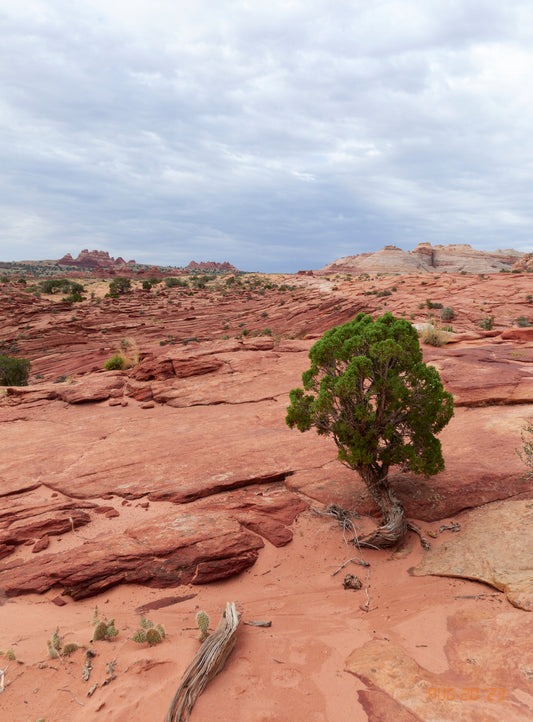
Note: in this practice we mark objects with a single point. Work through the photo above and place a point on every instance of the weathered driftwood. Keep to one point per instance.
(208, 662)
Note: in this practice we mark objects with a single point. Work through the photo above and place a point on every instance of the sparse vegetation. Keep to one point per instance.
(148, 632)
(103, 629)
(119, 286)
(487, 323)
(172, 282)
(523, 322)
(369, 388)
(14, 371)
(434, 335)
(57, 649)
(202, 620)
(447, 314)
(126, 356)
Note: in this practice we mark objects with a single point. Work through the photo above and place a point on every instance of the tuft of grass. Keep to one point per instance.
(434, 335)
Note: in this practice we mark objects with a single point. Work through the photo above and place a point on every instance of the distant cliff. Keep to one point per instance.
(427, 258)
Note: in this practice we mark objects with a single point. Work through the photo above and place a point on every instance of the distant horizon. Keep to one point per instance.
(75, 255)
(276, 135)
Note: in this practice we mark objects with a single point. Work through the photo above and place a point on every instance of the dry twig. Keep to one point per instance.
(208, 662)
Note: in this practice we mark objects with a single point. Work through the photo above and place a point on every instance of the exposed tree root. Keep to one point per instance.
(388, 535)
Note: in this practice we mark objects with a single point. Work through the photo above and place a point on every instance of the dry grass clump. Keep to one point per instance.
(434, 335)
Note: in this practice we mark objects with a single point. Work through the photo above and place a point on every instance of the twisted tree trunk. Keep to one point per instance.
(394, 525)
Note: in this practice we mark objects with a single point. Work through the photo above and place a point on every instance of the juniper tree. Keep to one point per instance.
(369, 388)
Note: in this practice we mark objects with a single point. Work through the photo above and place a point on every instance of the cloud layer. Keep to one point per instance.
(277, 136)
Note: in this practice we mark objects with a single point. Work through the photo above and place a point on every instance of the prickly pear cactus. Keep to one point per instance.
(153, 636)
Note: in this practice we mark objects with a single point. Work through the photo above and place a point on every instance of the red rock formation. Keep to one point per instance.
(211, 266)
(93, 259)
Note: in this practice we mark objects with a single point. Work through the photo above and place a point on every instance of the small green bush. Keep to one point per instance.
(147, 285)
(487, 323)
(447, 314)
(119, 286)
(523, 322)
(178, 282)
(14, 371)
(74, 297)
(115, 363)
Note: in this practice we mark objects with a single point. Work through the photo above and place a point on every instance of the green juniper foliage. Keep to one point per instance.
(14, 371)
(369, 388)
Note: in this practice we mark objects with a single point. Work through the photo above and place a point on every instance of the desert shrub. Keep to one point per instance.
(53, 285)
(369, 388)
(115, 363)
(447, 314)
(126, 356)
(523, 322)
(431, 304)
(74, 297)
(147, 285)
(119, 286)
(179, 282)
(63, 285)
(381, 294)
(14, 371)
(434, 335)
(487, 323)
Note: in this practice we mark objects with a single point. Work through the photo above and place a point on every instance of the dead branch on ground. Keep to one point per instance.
(208, 662)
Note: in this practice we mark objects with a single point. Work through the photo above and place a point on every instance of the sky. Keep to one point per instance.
(277, 135)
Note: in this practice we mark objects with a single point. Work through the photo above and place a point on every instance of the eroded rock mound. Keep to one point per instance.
(454, 258)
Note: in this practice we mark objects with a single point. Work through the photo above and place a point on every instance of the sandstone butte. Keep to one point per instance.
(175, 486)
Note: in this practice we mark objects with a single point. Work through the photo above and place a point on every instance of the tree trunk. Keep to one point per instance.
(394, 524)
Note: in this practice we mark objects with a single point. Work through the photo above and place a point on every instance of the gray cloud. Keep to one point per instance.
(277, 136)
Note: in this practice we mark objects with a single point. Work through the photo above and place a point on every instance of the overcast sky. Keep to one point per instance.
(277, 135)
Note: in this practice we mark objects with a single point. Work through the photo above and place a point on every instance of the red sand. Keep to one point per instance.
(291, 671)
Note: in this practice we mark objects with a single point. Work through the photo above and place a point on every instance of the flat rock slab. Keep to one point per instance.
(199, 542)
(178, 548)
(495, 546)
(486, 679)
(477, 375)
